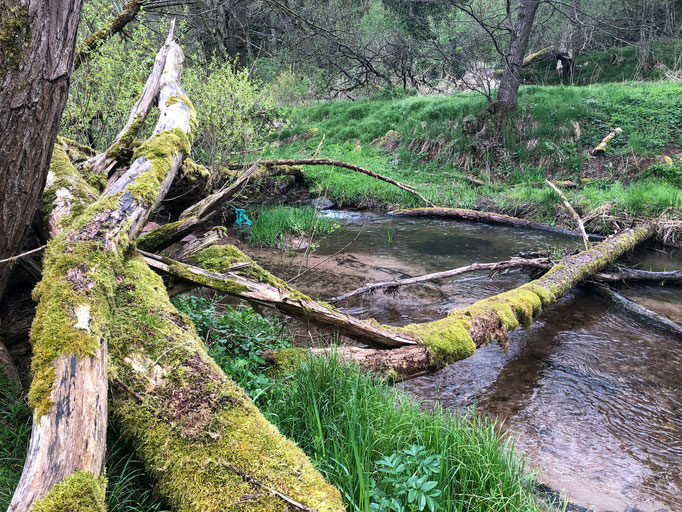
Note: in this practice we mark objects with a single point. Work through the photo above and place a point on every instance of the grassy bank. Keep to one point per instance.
(366, 437)
(284, 227)
(444, 139)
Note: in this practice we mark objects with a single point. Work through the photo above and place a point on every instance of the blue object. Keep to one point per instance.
(242, 219)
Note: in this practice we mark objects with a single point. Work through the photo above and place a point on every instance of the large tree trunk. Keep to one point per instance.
(70, 332)
(35, 68)
(511, 77)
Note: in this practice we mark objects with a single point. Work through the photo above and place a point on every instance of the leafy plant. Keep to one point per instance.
(407, 481)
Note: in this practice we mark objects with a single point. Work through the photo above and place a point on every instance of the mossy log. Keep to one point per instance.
(260, 287)
(336, 163)
(456, 336)
(604, 144)
(188, 422)
(102, 163)
(487, 217)
(69, 334)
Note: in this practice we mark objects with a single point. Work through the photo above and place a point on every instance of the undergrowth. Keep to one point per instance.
(380, 447)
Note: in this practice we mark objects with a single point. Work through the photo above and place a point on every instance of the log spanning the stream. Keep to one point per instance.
(487, 217)
(214, 267)
(456, 336)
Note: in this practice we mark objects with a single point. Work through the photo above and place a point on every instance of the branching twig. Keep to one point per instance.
(23, 254)
(577, 218)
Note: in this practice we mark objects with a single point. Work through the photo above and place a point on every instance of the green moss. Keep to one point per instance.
(195, 171)
(218, 258)
(15, 34)
(193, 420)
(78, 492)
(225, 285)
(157, 236)
(192, 112)
(447, 340)
(159, 150)
(287, 360)
(126, 140)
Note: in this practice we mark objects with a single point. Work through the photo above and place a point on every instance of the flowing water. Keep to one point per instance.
(592, 395)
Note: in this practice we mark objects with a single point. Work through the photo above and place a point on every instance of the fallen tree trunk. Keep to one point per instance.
(266, 290)
(604, 144)
(102, 163)
(499, 265)
(69, 334)
(632, 307)
(194, 428)
(336, 163)
(487, 217)
(456, 336)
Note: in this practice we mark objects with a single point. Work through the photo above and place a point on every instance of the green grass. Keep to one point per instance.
(346, 421)
(539, 142)
(15, 431)
(272, 226)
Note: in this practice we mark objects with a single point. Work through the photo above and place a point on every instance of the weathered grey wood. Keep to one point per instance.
(7, 364)
(102, 162)
(632, 307)
(69, 425)
(499, 265)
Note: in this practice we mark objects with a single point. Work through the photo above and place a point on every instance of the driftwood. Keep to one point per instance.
(575, 215)
(487, 217)
(499, 265)
(629, 274)
(336, 163)
(604, 144)
(69, 388)
(283, 299)
(456, 336)
(632, 307)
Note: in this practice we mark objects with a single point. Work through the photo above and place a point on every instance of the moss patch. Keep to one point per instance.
(15, 34)
(157, 236)
(126, 140)
(79, 492)
(159, 150)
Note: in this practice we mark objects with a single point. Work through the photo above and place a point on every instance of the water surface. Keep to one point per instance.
(592, 395)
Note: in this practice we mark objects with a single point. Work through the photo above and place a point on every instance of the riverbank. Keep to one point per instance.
(445, 148)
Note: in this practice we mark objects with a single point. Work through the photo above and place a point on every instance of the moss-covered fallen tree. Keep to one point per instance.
(194, 429)
(455, 337)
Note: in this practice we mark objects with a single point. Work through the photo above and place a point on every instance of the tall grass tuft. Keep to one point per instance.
(272, 225)
(346, 420)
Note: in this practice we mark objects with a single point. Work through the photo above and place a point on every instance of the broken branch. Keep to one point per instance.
(575, 215)
(336, 163)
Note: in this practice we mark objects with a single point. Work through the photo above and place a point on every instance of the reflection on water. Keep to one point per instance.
(592, 395)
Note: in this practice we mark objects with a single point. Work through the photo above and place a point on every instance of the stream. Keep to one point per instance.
(591, 395)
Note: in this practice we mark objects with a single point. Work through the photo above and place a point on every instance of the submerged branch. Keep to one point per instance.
(499, 265)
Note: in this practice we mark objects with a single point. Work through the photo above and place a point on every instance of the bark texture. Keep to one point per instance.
(34, 83)
(519, 32)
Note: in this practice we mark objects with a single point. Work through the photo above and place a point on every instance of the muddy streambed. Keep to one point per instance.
(592, 395)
